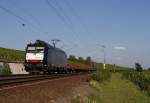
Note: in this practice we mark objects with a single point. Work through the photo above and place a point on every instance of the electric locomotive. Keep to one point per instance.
(41, 57)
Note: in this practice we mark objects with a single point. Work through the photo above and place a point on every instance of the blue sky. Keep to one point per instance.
(83, 26)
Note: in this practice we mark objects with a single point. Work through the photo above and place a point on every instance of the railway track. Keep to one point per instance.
(18, 79)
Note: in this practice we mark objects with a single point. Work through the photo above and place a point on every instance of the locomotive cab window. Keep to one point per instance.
(31, 48)
(35, 49)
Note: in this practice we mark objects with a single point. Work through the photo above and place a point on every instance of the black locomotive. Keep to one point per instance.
(42, 57)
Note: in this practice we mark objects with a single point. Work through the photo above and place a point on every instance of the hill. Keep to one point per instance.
(11, 55)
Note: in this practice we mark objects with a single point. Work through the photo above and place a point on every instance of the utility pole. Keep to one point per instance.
(55, 41)
(104, 65)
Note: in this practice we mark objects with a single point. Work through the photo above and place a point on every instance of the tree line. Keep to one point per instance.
(139, 68)
(74, 59)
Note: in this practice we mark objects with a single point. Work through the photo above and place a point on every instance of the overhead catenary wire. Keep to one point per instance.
(73, 11)
(78, 17)
(65, 19)
(56, 12)
(20, 19)
(68, 19)
(33, 18)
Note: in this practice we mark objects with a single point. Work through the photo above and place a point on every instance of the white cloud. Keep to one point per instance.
(120, 48)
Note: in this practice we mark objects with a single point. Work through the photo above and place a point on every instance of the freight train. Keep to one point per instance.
(41, 57)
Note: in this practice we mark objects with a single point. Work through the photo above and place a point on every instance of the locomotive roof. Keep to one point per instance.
(45, 44)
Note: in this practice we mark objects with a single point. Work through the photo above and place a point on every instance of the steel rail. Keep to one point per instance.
(15, 80)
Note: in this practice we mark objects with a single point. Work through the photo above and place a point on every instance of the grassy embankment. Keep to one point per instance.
(113, 90)
(9, 55)
(98, 77)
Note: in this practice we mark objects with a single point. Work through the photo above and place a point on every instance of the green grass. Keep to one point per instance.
(11, 55)
(119, 90)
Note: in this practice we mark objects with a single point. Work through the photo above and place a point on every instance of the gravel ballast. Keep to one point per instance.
(50, 91)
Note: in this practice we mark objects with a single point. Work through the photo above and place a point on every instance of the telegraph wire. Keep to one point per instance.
(27, 13)
(77, 16)
(74, 13)
(20, 19)
(13, 14)
(64, 14)
(62, 17)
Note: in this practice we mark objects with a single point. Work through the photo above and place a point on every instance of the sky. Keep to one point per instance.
(83, 26)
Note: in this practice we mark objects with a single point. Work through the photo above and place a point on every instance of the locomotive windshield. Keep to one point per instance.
(35, 53)
(35, 49)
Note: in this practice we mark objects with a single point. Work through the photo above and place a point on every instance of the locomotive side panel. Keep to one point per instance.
(56, 58)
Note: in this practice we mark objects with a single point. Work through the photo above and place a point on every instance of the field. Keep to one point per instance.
(142, 79)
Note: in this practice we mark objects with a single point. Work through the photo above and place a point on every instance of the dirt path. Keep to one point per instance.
(121, 91)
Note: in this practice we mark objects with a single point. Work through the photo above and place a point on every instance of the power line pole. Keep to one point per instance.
(55, 41)
(104, 65)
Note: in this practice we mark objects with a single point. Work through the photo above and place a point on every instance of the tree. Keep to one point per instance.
(149, 68)
(88, 60)
(72, 58)
(80, 59)
(138, 67)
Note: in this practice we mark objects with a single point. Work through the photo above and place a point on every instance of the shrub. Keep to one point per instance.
(5, 70)
(101, 75)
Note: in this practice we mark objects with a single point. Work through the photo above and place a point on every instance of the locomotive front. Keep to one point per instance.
(34, 58)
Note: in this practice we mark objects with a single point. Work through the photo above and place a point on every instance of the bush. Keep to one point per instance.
(5, 70)
(101, 75)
